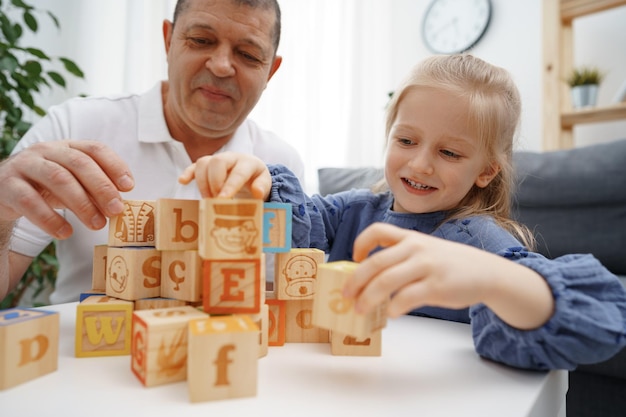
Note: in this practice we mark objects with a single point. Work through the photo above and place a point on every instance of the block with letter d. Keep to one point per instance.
(223, 358)
(103, 326)
(29, 345)
(334, 312)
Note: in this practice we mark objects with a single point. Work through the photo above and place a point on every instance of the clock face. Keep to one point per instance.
(453, 26)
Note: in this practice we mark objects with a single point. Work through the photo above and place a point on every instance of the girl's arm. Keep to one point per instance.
(415, 270)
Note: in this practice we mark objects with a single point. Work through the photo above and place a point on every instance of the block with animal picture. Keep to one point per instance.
(103, 326)
(332, 311)
(181, 275)
(160, 343)
(133, 273)
(299, 327)
(230, 229)
(223, 358)
(176, 224)
(276, 227)
(295, 273)
(29, 345)
(135, 226)
(346, 345)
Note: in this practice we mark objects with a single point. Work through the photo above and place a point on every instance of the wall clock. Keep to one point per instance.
(453, 26)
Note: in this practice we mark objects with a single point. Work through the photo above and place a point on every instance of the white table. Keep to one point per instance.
(428, 368)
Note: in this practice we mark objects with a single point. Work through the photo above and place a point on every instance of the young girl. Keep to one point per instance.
(439, 241)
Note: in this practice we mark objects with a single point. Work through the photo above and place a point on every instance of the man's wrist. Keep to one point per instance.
(6, 230)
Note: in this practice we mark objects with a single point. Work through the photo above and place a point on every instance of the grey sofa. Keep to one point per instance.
(575, 202)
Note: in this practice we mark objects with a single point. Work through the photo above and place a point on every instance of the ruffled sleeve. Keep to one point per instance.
(588, 324)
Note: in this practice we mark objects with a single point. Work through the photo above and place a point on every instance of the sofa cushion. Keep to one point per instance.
(573, 200)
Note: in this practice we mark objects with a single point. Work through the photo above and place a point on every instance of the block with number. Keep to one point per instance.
(181, 275)
(334, 312)
(295, 273)
(176, 224)
(159, 344)
(99, 270)
(29, 345)
(133, 273)
(276, 227)
(103, 327)
(223, 358)
(135, 226)
(262, 321)
(346, 345)
(230, 229)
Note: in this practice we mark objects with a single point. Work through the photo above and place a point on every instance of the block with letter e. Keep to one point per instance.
(160, 342)
(332, 311)
(223, 358)
(103, 326)
(232, 286)
(29, 345)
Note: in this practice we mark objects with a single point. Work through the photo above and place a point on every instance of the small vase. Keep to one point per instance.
(584, 95)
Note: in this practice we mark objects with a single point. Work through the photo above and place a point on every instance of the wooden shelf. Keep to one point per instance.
(571, 9)
(594, 115)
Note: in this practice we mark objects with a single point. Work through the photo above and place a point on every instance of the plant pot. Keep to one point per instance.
(584, 95)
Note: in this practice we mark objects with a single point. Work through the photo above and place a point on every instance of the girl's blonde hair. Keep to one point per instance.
(494, 108)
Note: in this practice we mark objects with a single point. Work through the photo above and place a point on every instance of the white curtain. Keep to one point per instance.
(327, 99)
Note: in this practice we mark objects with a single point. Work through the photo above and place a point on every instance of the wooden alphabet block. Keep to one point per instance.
(29, 345)
(296, 272)
(232, 286)
(262, 321)
(276, 317)
(160, 342)
(223, 358)
(181, 275)
(334, 312)
(276, 227)
(230, 229)
(135, 226)
(99, 271)
(103, 327)
(133, 273)
(157, 302)
(176, 224)
(84, 295)
(299, 326)
(346, 345)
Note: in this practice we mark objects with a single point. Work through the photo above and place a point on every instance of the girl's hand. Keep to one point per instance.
(414, 270)
(226, 174)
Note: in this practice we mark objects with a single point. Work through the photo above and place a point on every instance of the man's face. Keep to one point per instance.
(220, 57)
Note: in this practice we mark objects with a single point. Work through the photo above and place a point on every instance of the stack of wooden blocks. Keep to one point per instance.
(181, 288)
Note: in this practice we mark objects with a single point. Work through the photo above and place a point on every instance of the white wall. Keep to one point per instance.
(513, 41)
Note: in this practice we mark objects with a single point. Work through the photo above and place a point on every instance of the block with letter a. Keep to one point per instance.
(334, 312)
(223, 358)
(29, 345)
(103, 326)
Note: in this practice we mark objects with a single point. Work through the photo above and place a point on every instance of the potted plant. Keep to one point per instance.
(25, 72)
(584, 83)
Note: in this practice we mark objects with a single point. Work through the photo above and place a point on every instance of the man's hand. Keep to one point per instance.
(85, 177)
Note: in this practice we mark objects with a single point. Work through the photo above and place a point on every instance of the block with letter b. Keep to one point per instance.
(332, 311)
(176, 224)
(230, 229)
(103, 326)
(160, 343)
(29, 345)
(135, 226)
(223, 358)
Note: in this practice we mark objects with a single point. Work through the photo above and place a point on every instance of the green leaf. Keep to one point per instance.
(33, 68)
(57, 78)
(71, 67)
(30, 21)
(8, 30)
(55, 20)
(8, 63)
(38, 53)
